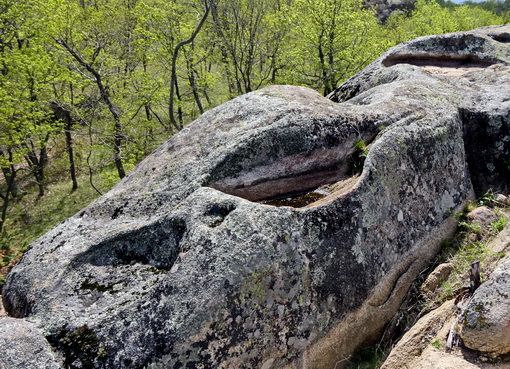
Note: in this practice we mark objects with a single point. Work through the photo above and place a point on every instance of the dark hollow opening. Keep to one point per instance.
(157, 245)
(487, 153)
(441, 61)
(502, 37)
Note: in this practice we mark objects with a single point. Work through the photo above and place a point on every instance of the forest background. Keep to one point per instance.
(88, 88)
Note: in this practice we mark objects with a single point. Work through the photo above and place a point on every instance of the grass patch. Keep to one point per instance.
(469, 244)
(446, 291)
(437, 344)
(358, 157)
(367, 358)
(499, 224)
(471, 227)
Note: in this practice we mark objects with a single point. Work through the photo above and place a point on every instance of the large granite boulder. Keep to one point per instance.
(258, 238)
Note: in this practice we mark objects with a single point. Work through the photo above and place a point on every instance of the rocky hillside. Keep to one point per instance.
(469, 327)
(279, 230)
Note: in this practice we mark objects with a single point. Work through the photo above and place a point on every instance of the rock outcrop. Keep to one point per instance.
(23, 346)
(409, 352)
(2, 311)
(258, 238)
(482, 216)
(438, 276)
(486, 325)
(481, 320)
(384, 8)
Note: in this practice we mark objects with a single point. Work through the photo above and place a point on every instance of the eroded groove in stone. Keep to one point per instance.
(157, 245)
(260, 189)
(298, 200)
(301, 178)
(439, 61)
(503, 37)
(319, 196)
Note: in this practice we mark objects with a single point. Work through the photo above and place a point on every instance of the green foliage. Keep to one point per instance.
(447, 291)
(498, 225)
(488, 198)
(358, 157)
(361, 146)
(429, 17)
(469, 253)
(332, 42)
(471, 227)
(367, 358)
(437, 344)
(461, 251)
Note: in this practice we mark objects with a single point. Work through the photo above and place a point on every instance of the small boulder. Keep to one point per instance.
(501, 200)
(435, 359)
(438, 276)
(486, 325)
(412, 345)
(24, 347)
(483, 216)
(473, 237)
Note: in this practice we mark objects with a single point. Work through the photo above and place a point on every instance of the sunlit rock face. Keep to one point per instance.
(384, 8)
(260, 236)
(485, 320)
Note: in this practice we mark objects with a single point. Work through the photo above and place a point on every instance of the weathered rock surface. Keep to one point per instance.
(424, 345)
(483, 216)
(502, 200)
(486, 325)
(438, 276)
(501, 243)
(187, 263)
(408, 351)
(24, 347)
(384, 8)
(436, 359)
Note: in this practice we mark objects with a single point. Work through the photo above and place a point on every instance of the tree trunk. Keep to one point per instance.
(91, 173)
(105, 96)
(5, 205)
(231, 81)
(9, 176)
(179, 107)
(324, 70)
(63, 114)
(117, 143)
(173, 77)
(43, 160)
(70, 150)
(37, 163)
(10, 180)
(193, 83)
